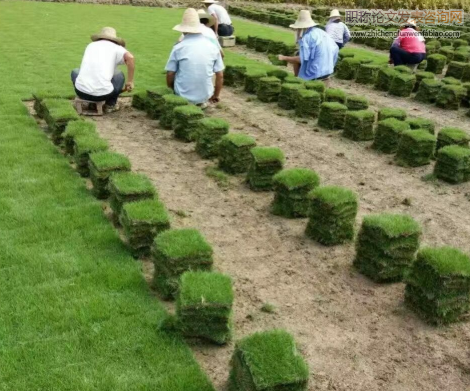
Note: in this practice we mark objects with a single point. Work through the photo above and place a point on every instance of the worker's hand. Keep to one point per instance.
(129, 86)
(281, 57)
(214, 99)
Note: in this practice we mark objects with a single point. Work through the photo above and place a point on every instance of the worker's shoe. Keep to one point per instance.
(111, 109)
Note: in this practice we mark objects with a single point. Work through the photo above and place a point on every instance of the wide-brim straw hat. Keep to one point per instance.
(410, 22)
(335, 14)
(190, 23)
(204, 15)
(304, 21)
(109, 34)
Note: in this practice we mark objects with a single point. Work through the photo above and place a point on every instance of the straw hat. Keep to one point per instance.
(109, 34)
(335, 14)
(204, 15)
(209, 1)
(190, 23)
(411, 22)
(304, 21)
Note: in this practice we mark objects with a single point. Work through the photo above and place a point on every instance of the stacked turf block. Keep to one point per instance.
(436, 63)
(176, 251)
(421, 123)
(428, 90)
(288, 95)
(404, 69)
(58, 113)
(262, 45)
(402, 85)
(84, 145)
(359, 125)
(456, 69)
(307, 103)
(251, 41)
(234, 153)
(452, 136)
(279, 73)
(140, 101)
(356, 102)
(386, 246)
(234, 76)
(268, 361)
(332, 214)
(265, 163)
(450, 96)
(128, 187)
(209, 134)
(204, 306)
(316, 85)
(367, 73)
(269, 89)
(102, 165)
(385, 76)
(292, 187)
(438, 285)
(170, 102)
(291, 79)
(335, 95)
(155, 101)
(420, 76)
(453, 164)
(415, 148)
(451, 81)
(275, 60)
(75, 129)
(332, 115)
(252, 80)
(388, 112)
(347, 68)
(142, 221)
(448, 52)
(388, 135)
(186, 122)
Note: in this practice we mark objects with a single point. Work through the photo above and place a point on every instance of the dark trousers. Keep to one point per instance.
(402, 57)
(117, 81)
(340, 45)
(225, 30)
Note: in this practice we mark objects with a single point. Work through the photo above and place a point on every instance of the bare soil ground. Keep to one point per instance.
(355, 334)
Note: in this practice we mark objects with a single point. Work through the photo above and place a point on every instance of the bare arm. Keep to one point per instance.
(216, 24)
(130, 63)
(170, 80)
(219, 82)
(291, 60)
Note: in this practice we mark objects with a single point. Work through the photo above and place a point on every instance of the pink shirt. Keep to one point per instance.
(411, 41)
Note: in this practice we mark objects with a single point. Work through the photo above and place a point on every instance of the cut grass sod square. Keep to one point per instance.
(356, 102)
(450, 96)
(209, 134)
(262, 45)
(269, 89)
(142, 221)
(422, 123)
(385, 76)
(288, 95)
(234, 152)
(58, 113)
(415, 148)
(451, 81)
(402, 85)
(251, 41)
(204, 306)
(252, 80)
(452, 136)
(389, 112)
(128, 187)
(268, 360)
(428, 90)
(75, 129)
(453, 164)
(359, 125)
(234, 76)
(332, 215)
(420, 76)
(332, 115)
(347, 68)
(155, 101)
(386, 246)
(291, 189)
(140, 101)
(291, 79)
(367, 73)
(388, 135)
(102, 165)
(308, 103)
(436, 63)
(402, 69)
(278, 73)
(170, 102)
(186, 122)
(316, 85)
(335, 95)
(456, 69)
(438, 285)
(176, 251)
(265, 163)
(85, 145)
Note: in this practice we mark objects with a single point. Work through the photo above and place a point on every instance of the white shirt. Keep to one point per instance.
(98, 67)
(221, 13)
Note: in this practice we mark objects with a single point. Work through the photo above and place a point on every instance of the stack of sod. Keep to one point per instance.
(308, 103)
(102, 165)
(451, 81)
(385, 76)
(347, 68)
(359, 125)
(170, 102)
(335, 95)
(275, 60)
(456, 69)
(251, 41)
(461, 56)
(388, 135)
(262, 45)
(186, 122)
(252, 80)
(176, 251)
(316, 85)
(428, 90)
(388, 112)
(450, 96)
(452, 136)
(415, 148)
(356, 102)
(266, 361)
(291, 190)
(279, 73)
(234, 76)
(448, 52)
(436, 63)
(367, 73)
(265, 163)
(386, 246)
(420, 76)
(84, 145)
(240, 39)
(142, 221)
(129, 187)
(438, 285)
(277, 47)
(209, 134)
(421, 123)
(332, 214)
(332, 115)
(453, 164)
(234, 152)
(403, 69)
(291, 79)
(155, 101)
(288, 95)
(204, 306)
(140, 101)
(58, 113)
(269, 89)
(75, 129)
(402, 85)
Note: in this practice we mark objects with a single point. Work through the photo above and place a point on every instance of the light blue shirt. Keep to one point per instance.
(338, 31)
(318, 54)
(195, 60)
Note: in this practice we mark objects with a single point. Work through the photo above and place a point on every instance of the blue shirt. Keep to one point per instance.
(318, 54)
(195, 60)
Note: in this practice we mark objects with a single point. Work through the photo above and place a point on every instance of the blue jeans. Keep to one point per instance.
(117, 81)
(402, 57)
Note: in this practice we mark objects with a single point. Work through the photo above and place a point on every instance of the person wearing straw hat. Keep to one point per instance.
(337, 29)
(409, 47)
(193, 62)
(223, 24)
(318, 52)
(98, 78)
